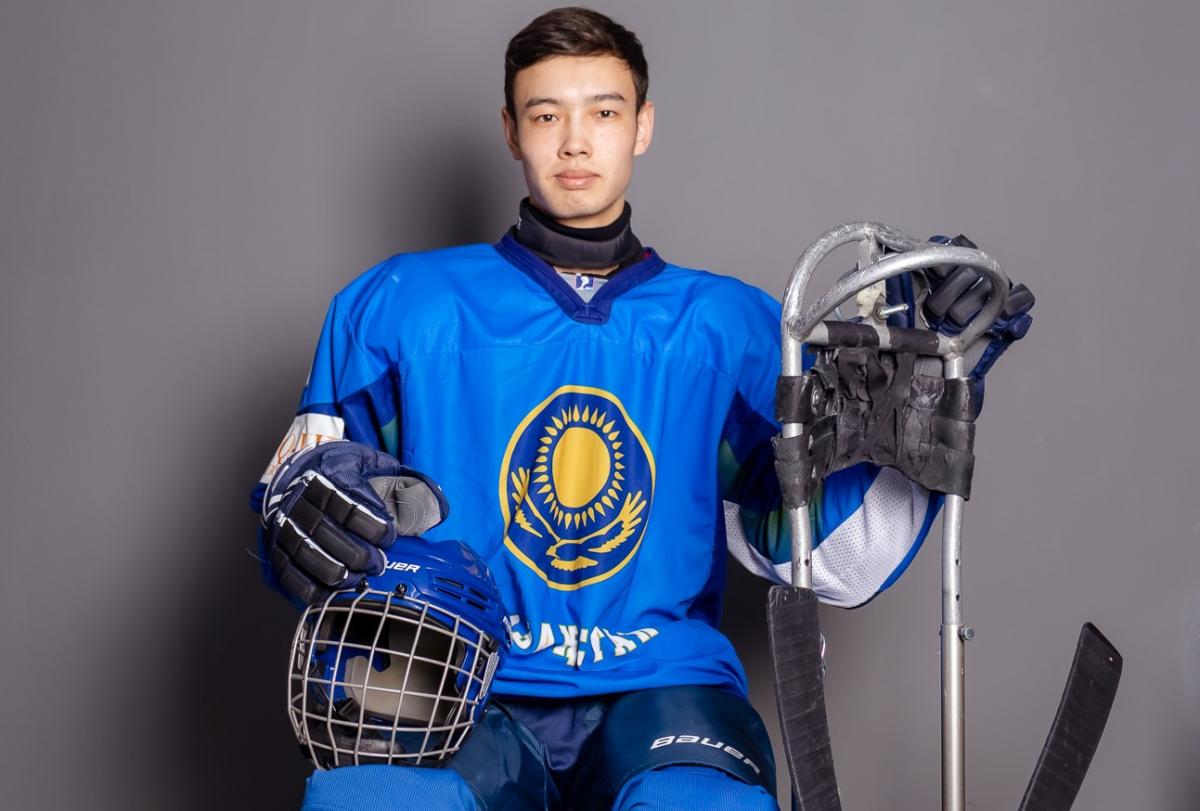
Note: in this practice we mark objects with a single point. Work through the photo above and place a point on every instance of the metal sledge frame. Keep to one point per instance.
(792, 612)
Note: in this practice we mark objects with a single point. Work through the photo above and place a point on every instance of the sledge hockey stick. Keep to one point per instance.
(800, 693)
(1078, 724)
(792, 611)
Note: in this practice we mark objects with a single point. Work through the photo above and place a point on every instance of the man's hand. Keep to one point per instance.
(330, 511)
(949, 296)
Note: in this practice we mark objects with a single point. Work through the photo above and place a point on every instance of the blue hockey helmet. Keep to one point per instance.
(398, 670)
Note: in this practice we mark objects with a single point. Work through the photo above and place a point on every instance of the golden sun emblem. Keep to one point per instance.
(574, 488)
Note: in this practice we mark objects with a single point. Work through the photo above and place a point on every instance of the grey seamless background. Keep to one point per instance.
(184, 186)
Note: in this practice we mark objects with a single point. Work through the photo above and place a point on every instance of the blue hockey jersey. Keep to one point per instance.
(595, 453)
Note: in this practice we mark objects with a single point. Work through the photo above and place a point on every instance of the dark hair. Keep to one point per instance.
(574, 31)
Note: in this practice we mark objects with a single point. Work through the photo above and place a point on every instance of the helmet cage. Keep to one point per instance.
(385, 677)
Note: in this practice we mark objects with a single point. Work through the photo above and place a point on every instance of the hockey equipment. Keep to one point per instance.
(946, 298)
(668, 727)
(690, 787)
(377, 788)
(862, 404)
(331, 510)
(1078, 724)
(398, 670)
(577, 248)
(868, 397)
(795, 636)
(956, 294)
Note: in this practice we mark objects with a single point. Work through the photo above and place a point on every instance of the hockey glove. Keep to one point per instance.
(949, 296)
(330, 511)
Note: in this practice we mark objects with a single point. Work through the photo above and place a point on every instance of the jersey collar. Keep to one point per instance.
(595, 311)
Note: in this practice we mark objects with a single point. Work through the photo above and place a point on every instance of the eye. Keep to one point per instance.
(545, 117)
(608, 113)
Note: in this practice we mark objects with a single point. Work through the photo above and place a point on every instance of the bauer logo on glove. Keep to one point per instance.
(331, 510)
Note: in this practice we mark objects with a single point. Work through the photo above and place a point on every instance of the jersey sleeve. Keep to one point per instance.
(352, 391)
(868, 521)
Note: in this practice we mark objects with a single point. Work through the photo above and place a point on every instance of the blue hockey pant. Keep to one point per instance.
(396, 788)
(680, 747)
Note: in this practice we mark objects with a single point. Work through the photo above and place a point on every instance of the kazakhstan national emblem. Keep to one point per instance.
(575, 488)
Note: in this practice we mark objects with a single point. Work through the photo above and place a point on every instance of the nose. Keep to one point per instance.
(576, 142)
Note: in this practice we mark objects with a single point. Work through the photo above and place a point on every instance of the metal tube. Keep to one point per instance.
(850, 283)
(793, 365)
(954, 787)
(801, 528)
(819, 336)
(895, 264)
(954, 778)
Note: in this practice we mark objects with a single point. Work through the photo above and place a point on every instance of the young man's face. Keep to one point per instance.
(576, 134)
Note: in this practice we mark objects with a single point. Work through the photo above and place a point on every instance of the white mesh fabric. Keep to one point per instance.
(850, 565)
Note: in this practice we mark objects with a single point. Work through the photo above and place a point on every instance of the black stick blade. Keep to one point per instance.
(800, 692)
(1078, 724)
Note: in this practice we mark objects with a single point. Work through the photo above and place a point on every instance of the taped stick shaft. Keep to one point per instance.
(795, 636)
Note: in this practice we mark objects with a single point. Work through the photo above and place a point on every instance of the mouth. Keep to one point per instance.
(575, 179)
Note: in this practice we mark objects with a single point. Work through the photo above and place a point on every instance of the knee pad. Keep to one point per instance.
(664, 727)
(686, 788)
(386, 788)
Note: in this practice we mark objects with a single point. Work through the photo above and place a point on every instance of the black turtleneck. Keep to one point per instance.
(577, 248)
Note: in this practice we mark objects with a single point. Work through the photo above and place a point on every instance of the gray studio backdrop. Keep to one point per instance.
(183, 185)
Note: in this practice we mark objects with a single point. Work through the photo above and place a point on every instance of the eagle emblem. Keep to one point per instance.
(575, 488)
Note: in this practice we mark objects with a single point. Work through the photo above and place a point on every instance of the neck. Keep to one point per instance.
(597, 250)
(588, 271)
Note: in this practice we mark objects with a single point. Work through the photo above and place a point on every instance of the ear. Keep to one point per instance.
(510, 133)
(645, 128)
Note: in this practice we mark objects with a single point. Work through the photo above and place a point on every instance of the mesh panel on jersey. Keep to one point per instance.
(858, 557)
(851, 565)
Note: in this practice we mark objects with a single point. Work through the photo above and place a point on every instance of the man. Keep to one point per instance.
(592, 412)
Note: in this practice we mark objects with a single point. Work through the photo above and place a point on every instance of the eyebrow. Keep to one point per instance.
(534, 102)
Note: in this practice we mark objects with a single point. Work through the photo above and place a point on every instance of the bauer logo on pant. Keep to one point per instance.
(575, 488)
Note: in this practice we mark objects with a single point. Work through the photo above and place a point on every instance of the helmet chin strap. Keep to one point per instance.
(577, 248)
